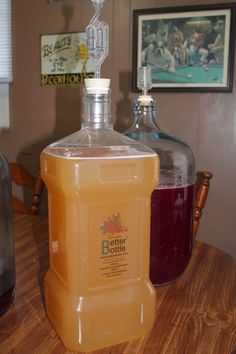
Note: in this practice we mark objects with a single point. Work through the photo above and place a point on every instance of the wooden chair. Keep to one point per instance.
(22, 177)
(202, 189)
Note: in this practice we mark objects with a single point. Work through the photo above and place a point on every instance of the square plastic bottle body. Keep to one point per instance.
(97, 289)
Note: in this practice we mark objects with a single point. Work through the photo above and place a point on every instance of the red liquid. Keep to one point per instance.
(171, 233)
(6, 300)
(6, 293)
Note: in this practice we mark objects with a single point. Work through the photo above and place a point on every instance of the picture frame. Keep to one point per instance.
(189, 48)
(65, 59)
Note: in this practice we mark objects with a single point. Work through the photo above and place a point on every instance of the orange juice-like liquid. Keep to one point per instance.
(97, 289)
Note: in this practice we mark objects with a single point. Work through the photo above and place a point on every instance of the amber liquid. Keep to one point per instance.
(171, 233)
(97, 289)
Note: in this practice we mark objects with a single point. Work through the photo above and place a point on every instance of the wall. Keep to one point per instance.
(39, 115)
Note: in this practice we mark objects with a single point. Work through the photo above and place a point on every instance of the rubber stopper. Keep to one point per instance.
(94, 86)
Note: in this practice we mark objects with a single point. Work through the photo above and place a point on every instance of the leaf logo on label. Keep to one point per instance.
(113, 225)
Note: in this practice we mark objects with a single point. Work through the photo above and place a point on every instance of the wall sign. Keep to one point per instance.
(65, 59)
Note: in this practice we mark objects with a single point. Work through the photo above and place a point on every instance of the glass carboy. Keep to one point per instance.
(173, 199)
(7, 260)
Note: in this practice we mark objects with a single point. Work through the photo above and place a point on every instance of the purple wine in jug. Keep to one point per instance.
(173, 200)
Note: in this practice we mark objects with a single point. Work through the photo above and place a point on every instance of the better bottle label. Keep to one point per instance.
(114, 243)
(114, 246)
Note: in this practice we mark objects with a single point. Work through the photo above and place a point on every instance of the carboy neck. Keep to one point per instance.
(145, 111)
(97, 104)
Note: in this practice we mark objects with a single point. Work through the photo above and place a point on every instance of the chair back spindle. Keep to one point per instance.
(21, 177)
(202, 190)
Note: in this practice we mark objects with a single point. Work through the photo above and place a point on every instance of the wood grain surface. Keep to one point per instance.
(195, 315)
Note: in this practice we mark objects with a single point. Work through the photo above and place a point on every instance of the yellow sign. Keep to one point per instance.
(65, 59)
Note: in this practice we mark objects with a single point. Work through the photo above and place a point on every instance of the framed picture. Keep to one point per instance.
(188, 48)
(65, 59)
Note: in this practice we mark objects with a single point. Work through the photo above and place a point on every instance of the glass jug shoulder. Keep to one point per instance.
(177, 163)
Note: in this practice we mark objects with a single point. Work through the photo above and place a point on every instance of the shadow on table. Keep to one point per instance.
(40, 235)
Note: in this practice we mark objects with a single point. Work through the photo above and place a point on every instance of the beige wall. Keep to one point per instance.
(39, 115)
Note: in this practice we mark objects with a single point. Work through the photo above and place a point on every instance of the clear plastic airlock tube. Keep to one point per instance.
(98, 38)
(144, 79)
(144, 84)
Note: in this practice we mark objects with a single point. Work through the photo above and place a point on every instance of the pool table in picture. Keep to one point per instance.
(206, 74)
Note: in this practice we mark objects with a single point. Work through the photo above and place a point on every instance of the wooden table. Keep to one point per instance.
(195, 315)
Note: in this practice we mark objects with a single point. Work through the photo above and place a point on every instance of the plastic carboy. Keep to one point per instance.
(7, 260)
(97, 290)
(172, 200)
